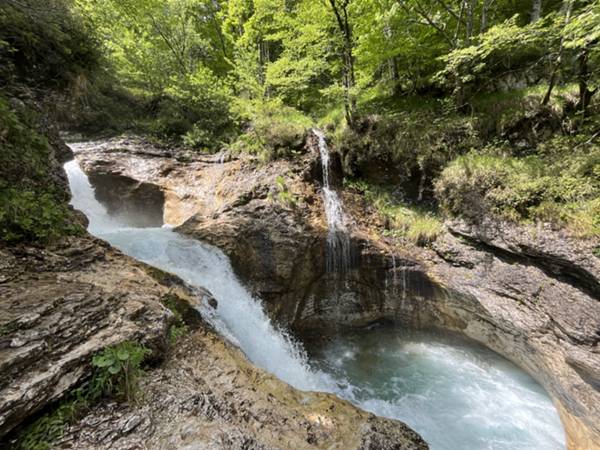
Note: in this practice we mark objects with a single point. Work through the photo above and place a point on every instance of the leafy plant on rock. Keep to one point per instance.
(118, 370)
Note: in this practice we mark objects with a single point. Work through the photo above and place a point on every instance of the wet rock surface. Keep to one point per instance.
(540, 319)
(61, 304)
(529, 294)
(208, 396)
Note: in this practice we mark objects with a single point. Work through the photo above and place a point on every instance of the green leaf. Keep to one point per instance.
(123, 354)
(102, 361)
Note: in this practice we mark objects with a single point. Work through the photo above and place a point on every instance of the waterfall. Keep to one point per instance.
(338, 240)
(441, 389)
(239, 316)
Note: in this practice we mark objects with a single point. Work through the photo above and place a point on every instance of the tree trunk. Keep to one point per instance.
(585, 93)
(422, 180)
(470, 14)
(484, 16)
(568, 7)
(340, 9)
(536, 10)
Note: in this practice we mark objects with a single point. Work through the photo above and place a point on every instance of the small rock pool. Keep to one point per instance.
(456, 393)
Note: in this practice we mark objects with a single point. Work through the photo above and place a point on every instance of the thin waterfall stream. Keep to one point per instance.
(338, 240)
(456, 394)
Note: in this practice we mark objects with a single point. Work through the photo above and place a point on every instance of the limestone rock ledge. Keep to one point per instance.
(61, 304)
(529, 294)
(58, 306)
(208, 396)
(532, 302)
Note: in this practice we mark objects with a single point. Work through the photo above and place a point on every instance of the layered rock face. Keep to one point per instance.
(208, 396)
(531, 295)
(528, 294)
(61, 304)
(268, 218)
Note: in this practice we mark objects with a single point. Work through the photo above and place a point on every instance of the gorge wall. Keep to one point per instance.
(65, 301)
(529, 294)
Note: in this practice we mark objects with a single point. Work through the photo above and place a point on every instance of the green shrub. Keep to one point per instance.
(396, 147)
(504, 49)
(33, 206)
(560, 190)
(50, 427)
(272, 129)
(33, 216)
(118, 369)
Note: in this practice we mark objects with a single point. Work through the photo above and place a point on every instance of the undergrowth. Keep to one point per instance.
(33, 206)
(271, 130)
(116, 374)
(546, 187)
(415, 224)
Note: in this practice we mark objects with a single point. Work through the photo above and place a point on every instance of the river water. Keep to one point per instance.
(457, 395)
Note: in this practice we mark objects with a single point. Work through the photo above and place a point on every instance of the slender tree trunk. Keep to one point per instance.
(459, 21)
(214, 8)
(536, 10)
(422, 180)
(568, 7)
(484, 16)
(263, 59)
(340, 10)
(585, 93)
(470, 14)
(393, 65)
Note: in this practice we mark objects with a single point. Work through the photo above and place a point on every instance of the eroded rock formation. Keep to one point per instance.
(61, 304)
(207, 395)
(531, 295)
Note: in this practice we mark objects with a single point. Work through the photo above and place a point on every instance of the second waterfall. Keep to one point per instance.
(338, 239)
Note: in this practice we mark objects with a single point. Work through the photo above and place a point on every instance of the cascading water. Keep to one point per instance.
(456, 397)
(239, 316)
(338, 240)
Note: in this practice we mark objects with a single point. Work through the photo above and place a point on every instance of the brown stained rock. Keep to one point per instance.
(529, 294)
(59, 307)
(208, 396)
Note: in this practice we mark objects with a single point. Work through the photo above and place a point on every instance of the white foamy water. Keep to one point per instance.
(458, 396)
(239, 316)
(338, 240)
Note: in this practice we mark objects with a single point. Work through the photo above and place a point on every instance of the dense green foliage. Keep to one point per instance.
(44, 45)
(548, 187)
(413, 91)
(33, 202)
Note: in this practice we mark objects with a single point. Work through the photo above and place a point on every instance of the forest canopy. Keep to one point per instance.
(412, 92)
